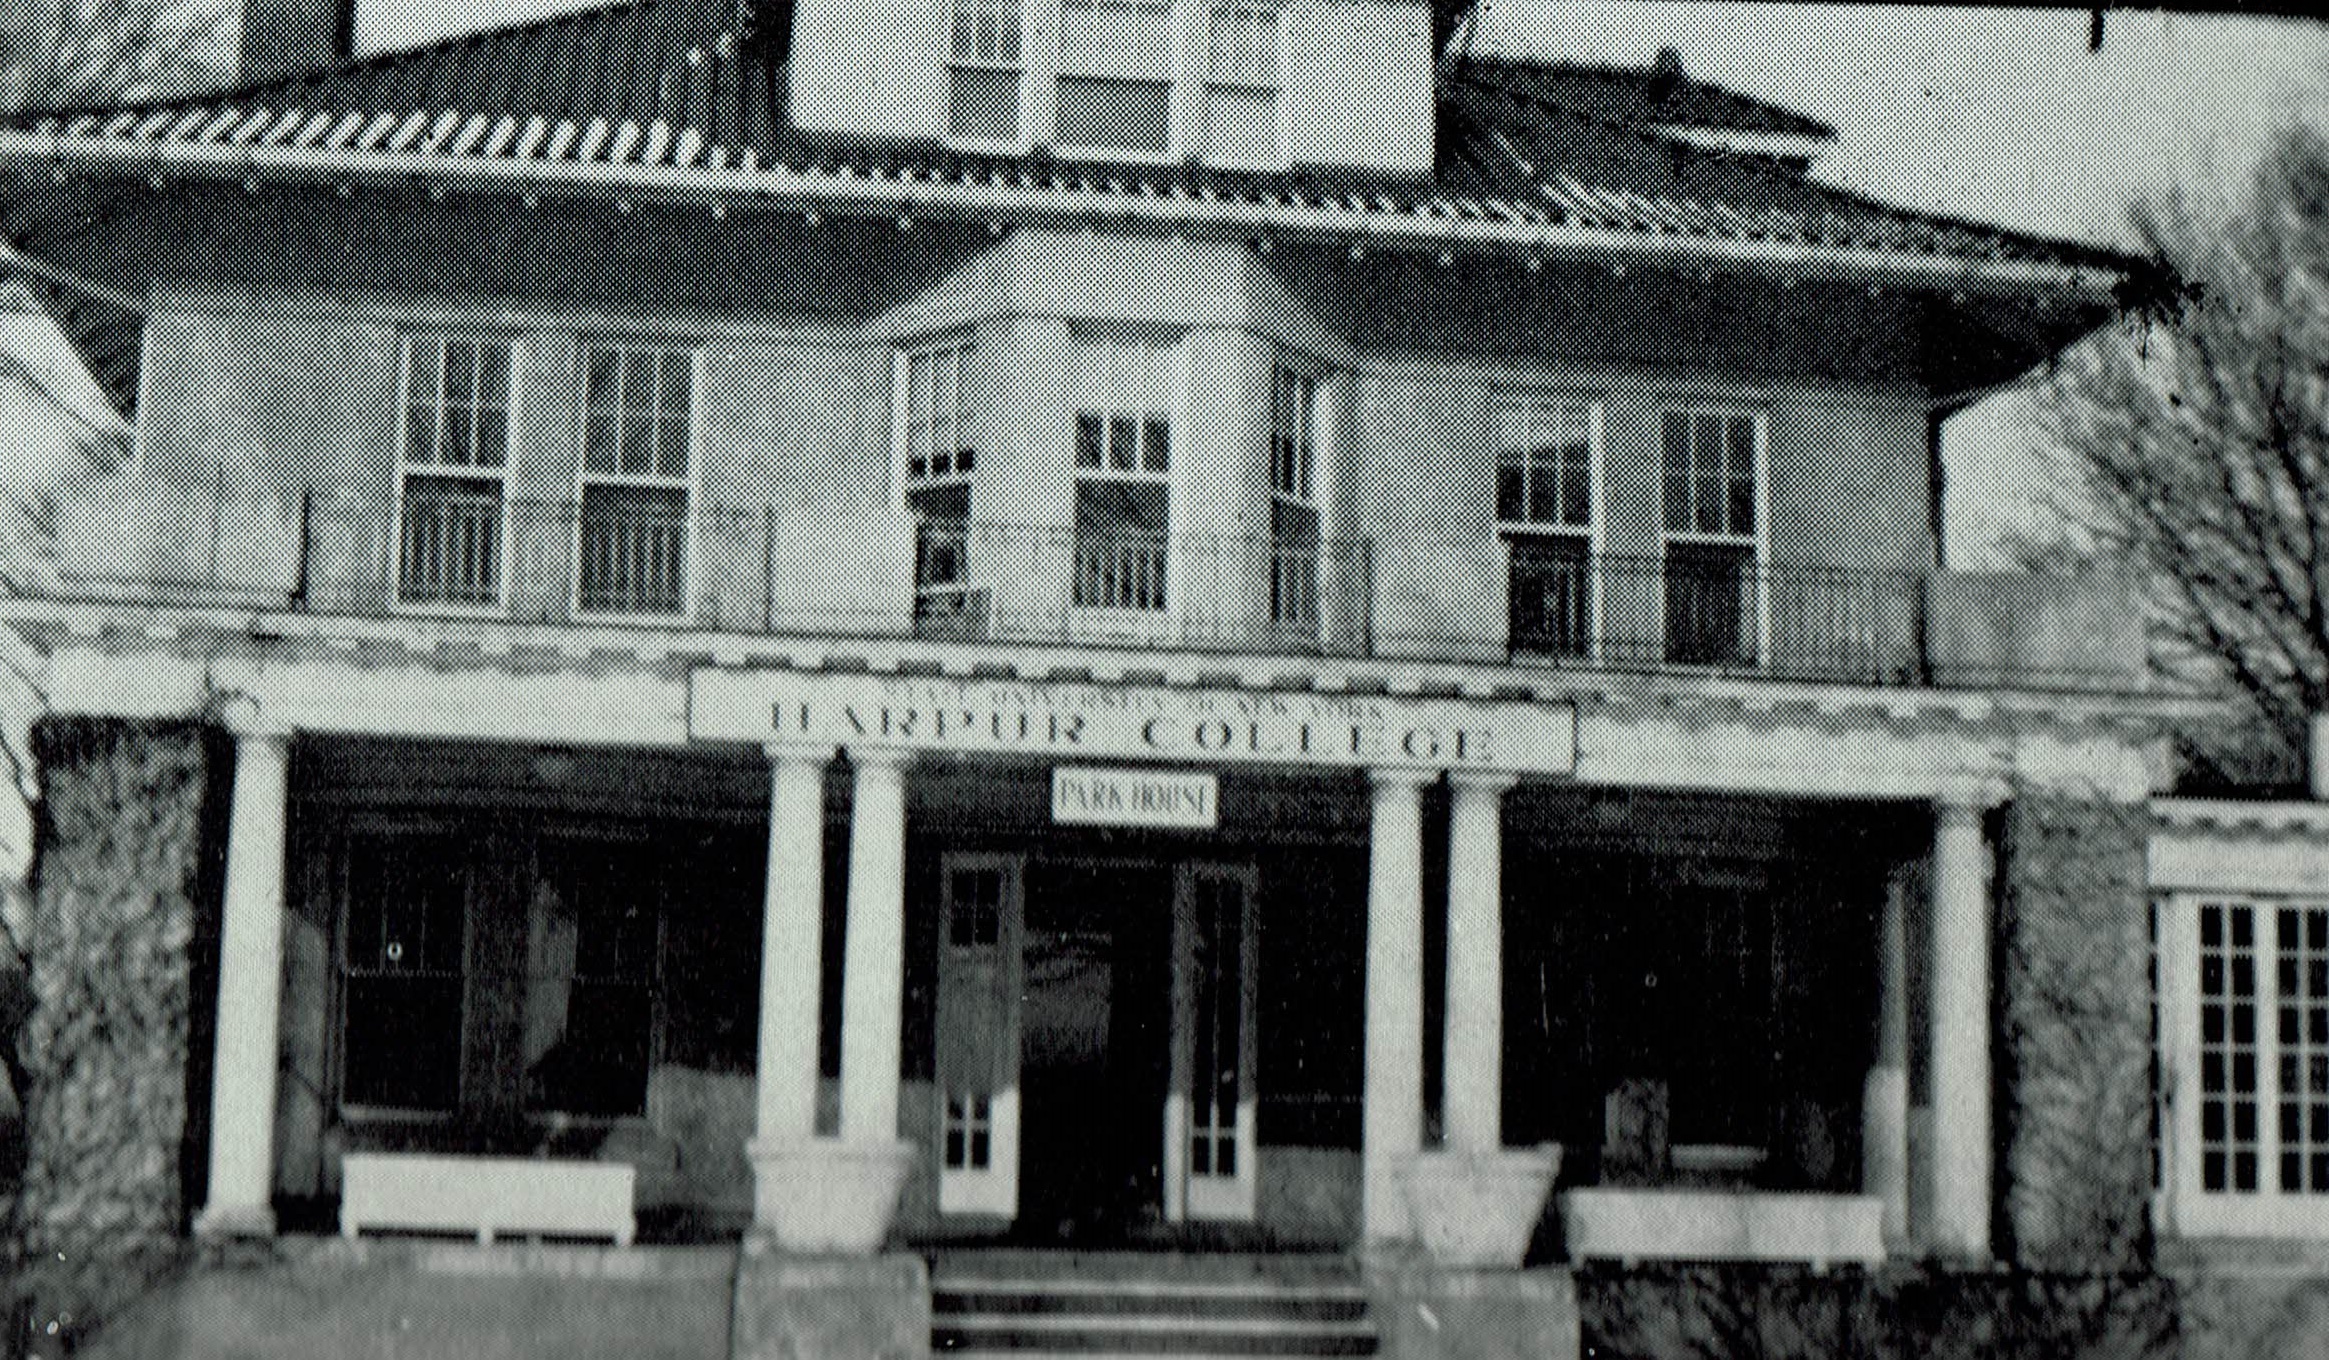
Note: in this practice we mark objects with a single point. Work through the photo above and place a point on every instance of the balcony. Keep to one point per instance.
(644, 557)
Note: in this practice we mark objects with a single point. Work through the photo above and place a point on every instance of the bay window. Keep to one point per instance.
(633, 546)
(1713, 577)
(1123, 509)
(451, 524)
(939, 457)
(1546, 463)
(1293, 499)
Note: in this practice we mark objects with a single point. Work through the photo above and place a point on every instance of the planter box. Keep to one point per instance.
(1711, 1225)
(487, 1196)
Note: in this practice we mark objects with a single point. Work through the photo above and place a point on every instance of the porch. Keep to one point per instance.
(1234, 1037)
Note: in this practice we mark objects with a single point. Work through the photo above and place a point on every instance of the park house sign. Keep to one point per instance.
(1077, 721)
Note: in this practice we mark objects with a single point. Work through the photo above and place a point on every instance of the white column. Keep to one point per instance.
(1884, 1104)
(873, 957)
(1391, 1118)
(1473, 1099)
(250, 981)
(1960, 1041)
(792, 945)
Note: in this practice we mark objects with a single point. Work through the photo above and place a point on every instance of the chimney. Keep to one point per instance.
(2317, 756)
(290, 37)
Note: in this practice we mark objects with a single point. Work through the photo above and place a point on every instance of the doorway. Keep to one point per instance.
(1096, 1045)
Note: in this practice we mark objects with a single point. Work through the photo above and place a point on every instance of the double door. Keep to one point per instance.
(1095, 1052)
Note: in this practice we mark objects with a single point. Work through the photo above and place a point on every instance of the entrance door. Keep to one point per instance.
(981, 904)
(1209, 1108)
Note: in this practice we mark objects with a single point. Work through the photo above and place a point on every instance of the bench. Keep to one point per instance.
(487, 1196)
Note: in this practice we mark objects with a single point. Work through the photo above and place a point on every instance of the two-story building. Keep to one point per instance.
(1192, 624)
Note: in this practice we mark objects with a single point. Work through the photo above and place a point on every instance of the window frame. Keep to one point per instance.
(1207, 82)
(1310, 396)
(1509, 532)
(962, 347)
(1176, 140)
(1757, 542)
(406, 470)
(2188, 1207)
(688, 485)
(954, 63)
(1145, 416)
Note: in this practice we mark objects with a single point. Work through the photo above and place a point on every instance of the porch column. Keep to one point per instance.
(1473, 1073)
(1391, 1117)
(873, 956)
(1961, 1151)
(250, 980)
(791, 950)
(1884, 1103)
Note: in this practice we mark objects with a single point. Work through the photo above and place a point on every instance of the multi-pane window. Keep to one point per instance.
(1123, 507)
(1544, 505)
(2243, 1105)
(983, 71)
(633, 540)
(940, 455)
(451, 502)
(403, 970)
(1115, 76)
(1293, 498)
(1713, 577)
(1241, 83)
(591, 963)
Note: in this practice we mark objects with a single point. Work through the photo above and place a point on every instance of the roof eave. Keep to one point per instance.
(65, 155)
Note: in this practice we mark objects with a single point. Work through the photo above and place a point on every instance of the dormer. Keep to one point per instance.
(1253, 85)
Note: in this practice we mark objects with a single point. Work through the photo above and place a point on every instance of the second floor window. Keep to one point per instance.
(1123, 508)
(1241, 83)
(1714, 598)
(934, 426)
(983, 71)
(1293, 498)
(633, 540)
(1115, 76)
(452, 503)
(1544, 507)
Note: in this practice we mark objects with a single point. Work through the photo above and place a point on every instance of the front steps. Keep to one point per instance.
(988, 1305)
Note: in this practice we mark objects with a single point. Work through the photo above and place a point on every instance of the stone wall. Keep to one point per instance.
(2074, 1066)
(125, 876)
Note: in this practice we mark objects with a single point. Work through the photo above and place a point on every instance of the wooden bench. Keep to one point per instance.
(487, 1196)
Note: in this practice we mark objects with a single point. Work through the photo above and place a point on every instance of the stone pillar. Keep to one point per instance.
(874, 952)
(1961, 1143)
(791, 950)
(1884, 1105)
(250, 980)
(1391, 1118)
(1473, 1100)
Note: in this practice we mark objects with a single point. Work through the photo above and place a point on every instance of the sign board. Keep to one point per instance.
(1091, 721)
(1084, 796)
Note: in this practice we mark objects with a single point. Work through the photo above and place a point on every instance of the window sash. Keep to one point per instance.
(1544, 462)
(1712, 473)
(457, 397)
(936, 426)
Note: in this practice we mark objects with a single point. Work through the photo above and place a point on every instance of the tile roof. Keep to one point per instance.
(655, 91)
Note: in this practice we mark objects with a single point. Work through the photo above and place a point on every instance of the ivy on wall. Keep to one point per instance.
(2075, 1065)
(121, 869)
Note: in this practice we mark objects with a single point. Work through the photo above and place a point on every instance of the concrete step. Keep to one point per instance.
(1059, 1305)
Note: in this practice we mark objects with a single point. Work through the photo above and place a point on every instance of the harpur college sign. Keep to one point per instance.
(1078, 721)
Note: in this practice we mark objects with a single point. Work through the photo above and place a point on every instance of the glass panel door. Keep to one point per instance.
(2245, 1002)
(1209, 1108)
(982, 909)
